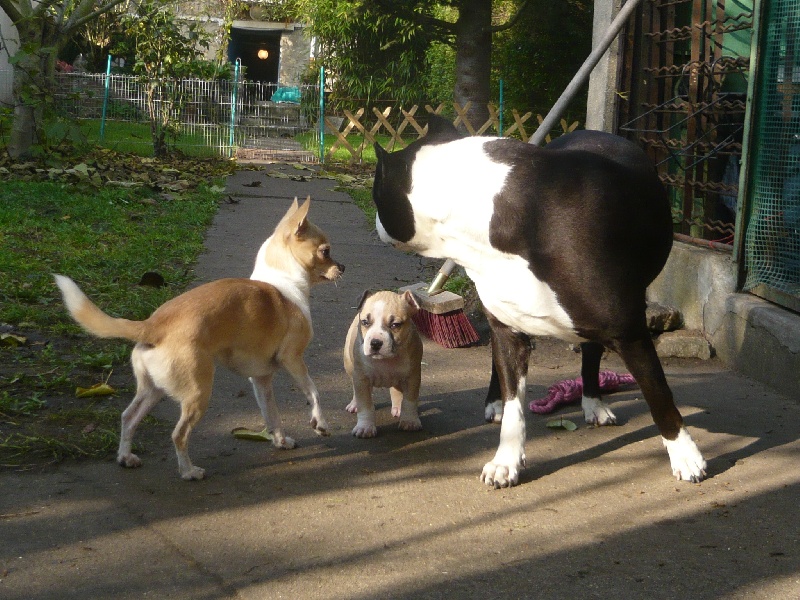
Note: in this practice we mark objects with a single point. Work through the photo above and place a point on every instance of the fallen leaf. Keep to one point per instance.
(562, 424)
(99, 389)
(9, 339)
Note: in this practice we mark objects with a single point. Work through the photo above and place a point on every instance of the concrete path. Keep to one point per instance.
(403, 516)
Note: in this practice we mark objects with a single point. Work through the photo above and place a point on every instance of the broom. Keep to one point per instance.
(441, 316)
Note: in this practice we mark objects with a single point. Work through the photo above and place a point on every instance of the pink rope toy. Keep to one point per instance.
(571, 390)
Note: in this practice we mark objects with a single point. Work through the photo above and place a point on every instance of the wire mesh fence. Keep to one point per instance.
(772, 236)
(245, 120)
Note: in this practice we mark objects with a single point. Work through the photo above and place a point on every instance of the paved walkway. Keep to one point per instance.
(403, 516)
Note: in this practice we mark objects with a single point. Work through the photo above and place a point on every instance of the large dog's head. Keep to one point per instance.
(395, 220)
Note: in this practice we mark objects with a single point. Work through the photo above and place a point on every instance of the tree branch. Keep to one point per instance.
(512, 21)
(10, 8)
(72, 25)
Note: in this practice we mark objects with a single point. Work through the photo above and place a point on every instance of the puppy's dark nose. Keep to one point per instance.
(375, 344)
(340, 266)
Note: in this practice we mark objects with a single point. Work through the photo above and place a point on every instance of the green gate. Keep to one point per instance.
(772, 233)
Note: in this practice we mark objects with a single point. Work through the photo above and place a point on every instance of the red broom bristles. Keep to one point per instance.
(450, 330)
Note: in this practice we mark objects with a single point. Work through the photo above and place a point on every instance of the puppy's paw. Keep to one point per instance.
(284, 442)
(396, 410)
(596, 412)
(685, 458)
(352, 407)
(493, 413)
(365, 430)
(410, 424)
(193, 474)
(129, 460)
(500, 476)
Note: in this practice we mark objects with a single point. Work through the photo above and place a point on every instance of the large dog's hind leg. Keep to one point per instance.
(595, 411)
(640, 357)
(262, 388)
(510, 353)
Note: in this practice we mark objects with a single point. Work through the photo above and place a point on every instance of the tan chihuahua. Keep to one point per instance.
(383, 349)
(252, 326)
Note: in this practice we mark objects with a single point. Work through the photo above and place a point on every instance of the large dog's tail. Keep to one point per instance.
(94, 320)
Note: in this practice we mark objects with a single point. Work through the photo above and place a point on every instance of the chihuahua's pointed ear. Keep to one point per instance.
(301, 216)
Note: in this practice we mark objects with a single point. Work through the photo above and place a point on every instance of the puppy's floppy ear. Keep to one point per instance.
(364, 297)
(411, 300)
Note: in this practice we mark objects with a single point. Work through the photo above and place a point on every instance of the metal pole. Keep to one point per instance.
(582, 76)
(234, 95)
(105, 101)
(321, 115)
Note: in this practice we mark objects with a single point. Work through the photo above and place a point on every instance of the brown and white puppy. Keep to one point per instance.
(252, 326)
(383, 349)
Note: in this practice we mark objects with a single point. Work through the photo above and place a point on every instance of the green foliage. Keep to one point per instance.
(538, 57)
(166, 50)
(369, 53)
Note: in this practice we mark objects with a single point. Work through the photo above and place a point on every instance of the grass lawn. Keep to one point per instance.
(105, 240)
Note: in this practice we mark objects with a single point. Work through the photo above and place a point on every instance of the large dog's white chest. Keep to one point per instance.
(463, 181)
(509, 290)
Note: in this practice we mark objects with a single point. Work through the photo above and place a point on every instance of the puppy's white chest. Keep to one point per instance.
(385, 372)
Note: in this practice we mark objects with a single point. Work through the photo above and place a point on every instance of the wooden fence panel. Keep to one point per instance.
(409, 123)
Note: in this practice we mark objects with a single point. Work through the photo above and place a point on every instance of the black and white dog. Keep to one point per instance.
(560, 241)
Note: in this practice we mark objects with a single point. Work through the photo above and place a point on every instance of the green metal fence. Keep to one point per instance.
(772, 234)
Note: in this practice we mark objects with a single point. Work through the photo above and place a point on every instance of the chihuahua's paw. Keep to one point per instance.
(396, 410)
(129, 460)
(352, 407)
(365, 430)
(193, 474)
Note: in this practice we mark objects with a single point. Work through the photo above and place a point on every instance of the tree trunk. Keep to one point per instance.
(28, 86)
(474, 59)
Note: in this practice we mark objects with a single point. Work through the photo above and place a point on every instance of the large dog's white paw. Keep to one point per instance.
(365, 430)
(685, 458)
(129, 460)
(352, 407)
(596, 412)
(493, 413)
(500, 475)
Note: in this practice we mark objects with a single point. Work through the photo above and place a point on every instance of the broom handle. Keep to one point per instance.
(561, 104)
(441, 277)
(582, 76)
